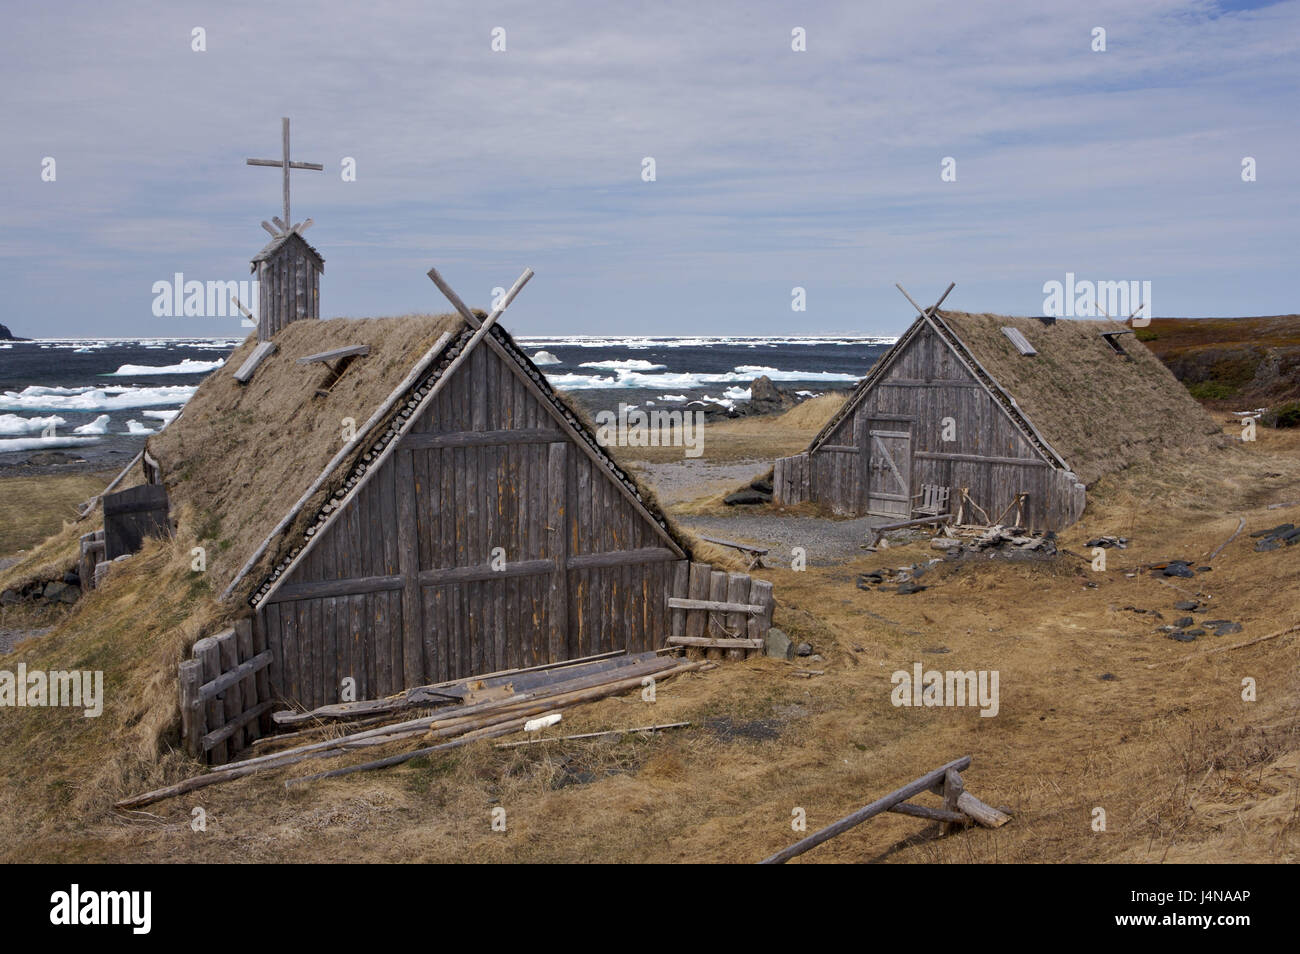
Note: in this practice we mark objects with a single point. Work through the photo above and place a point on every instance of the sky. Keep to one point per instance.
(775, 169)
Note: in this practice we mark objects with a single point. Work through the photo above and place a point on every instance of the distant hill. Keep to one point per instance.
(1231, 363)
(6, 336)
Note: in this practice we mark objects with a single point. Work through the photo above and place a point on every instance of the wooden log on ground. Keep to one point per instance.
(986, 815)
(896, 797)
(943, 816)
(953, 787)
(594, 735)
(330, 747)
(904, 524)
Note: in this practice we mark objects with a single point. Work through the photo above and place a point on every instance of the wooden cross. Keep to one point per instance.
(926, 312)
(286, 165)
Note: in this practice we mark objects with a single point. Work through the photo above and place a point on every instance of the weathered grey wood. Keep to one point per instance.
(738, 585)
(953, 787)
(612, 558)
(248, 687)
(557, 524)
(208, 652)
(933, 814)
(246, 370)
(698, 587)
(531, 435)
(409, 563)
(262, 643)
(760, 594)
(717, 623)
(722, 606)
(985, 815)
(236, 725)
(335, 353)
(681, 575)
(318, 589)
(131, 515)
(234, 694)
(896, 797)
(234, 675)
(193, 711)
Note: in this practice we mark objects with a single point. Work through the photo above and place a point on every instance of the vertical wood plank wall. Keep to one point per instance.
(411, 593)
(288, 288)
(989, 456)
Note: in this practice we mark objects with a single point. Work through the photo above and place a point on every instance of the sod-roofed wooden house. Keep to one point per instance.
(405, 501)
(1022, 414)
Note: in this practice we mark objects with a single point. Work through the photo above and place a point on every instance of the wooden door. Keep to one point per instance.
(889, 473)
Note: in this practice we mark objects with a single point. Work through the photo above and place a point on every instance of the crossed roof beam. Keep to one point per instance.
(923, 312)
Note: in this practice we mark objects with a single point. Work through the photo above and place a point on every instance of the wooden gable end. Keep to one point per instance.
(489, 539)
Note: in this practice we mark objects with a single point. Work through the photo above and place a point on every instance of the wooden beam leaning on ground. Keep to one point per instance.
(461, 720)
(944, 780)
(904, 524)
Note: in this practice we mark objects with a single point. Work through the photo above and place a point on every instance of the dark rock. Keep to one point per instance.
(72, 578)
(1265, 545)
(747, 497)
(9, 597)
(908, 588)
(57, 592)
(938, 650)
(765, 397)
(1275, 531)
(1189, 606)
(1204, 569)
(1183, 636)
(1227, 629)
(1180, 570)
(1183, 621)
(804, 649)
(6, 335)
(1107, 677)
(1194, 632)
(763, 485)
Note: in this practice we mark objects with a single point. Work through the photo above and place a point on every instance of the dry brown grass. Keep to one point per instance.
(1183, 767)
(34, 508)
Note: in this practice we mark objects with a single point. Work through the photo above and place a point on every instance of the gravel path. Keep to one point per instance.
(678, 482)
(827, 542)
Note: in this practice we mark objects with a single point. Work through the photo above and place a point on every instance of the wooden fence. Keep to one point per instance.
(226, 694)
(719, 613)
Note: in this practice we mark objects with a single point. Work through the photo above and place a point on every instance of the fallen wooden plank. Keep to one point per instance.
(933, 814)
(254, 361)
(745, 547)
(241, 720)
(712, 643)
(1228, 649)
(720, 605)
(350, 350)
(896, 797)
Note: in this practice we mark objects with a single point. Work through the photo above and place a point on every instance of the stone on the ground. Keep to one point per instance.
(1183, 636)
(804, 649)
(9, 597)
(59, 592)
(777, 644)
(762, 485)
(1227, 629)
(747, 497)
(908, 588)
(1189, 606)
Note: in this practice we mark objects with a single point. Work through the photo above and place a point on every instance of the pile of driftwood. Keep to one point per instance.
(447, 714)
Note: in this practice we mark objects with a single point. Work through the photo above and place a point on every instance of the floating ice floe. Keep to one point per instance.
(164, 416)
(13, 424)
(116, 398)
(544, 358)
(43, 443)
(98, 426)
(135, 427)
(626, 364)
(187, 366)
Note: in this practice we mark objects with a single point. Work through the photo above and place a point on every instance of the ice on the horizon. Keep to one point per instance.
(98, 426)
(545, 357)
(187, 366)
(697, 341)
(37, 398)
(626, 364)
(638, 379)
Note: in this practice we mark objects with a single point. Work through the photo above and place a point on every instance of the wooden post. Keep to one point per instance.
(717, 593)
(952, 791)
(760, 594)
(263, 678)
(681, 576)
(698, 588)
(208, 653)
(738, 586)
(229, 656)
(249, 687)
(557, 526)
(193, 721)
